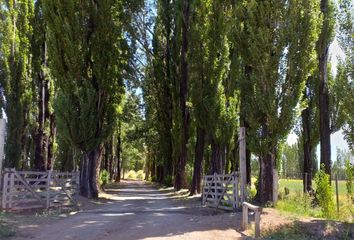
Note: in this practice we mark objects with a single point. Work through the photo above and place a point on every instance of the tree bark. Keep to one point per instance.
(325, 133)
(307, 181)
(199, 154)
(119, 156)
(244, 123)
(265, 180)
(180, 177)
(89, 173)
(215, 157)
(51, 140)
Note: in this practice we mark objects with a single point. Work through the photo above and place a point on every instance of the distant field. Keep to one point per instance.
(295, 185)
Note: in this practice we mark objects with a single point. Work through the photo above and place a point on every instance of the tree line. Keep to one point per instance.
(166, 85)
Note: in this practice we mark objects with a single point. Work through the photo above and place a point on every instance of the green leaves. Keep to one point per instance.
(87, 68)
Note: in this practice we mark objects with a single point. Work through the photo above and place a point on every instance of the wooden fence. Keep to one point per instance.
(222, 191)
(30, 189)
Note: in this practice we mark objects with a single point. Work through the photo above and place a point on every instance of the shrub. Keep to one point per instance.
(131, 174)
(324, 193)
(104, 177)
(153, 179)
(168, 181)
(140, 175)
(349, 173)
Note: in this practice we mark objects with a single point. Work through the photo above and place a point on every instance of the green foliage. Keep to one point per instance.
(15, 71)
(104, 177)
(324, 193)
(87, 68)
(131, 174)
(168, 181)
(140, 175)
(349, 174)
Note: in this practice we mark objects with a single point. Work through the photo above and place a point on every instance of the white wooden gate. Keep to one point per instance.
(221, 191)
(30, 189)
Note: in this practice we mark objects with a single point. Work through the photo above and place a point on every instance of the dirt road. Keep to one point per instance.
(140, 211)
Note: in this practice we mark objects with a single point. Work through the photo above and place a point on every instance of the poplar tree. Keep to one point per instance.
(345, 72)
(88, 72)
(15, 76)
(46, 127)
(324, 41)
(280, 41)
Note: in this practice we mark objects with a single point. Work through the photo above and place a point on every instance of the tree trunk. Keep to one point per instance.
(307, 171)
(89, 173)
(248, 164)
(215, 157)
(265, 182)
(244, 123)
(180, 177)
(119, 156)
(51, 141)
(153, 169)
(199, 153)
(325, 134)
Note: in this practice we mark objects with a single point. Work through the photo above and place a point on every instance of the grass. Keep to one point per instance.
(300, 205)
(295, 185)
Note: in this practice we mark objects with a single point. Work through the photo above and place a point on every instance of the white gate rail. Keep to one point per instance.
(221, 191)
(30, 189)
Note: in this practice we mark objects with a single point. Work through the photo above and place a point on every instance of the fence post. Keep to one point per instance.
(12, 183)
(49, 177)
(243, 168)
(2, 143)
(244, 217)
(235, 190)
(337, 194)
(215, 188)
(4, 190)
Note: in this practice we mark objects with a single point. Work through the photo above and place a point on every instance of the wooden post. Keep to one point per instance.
(49, 177)
(257, 219)
(2, 143)
(337, 194)
(243, 169)
(4, 190)
(215, 189)
(234, 190)
(275, 186)
(244, 217)
(12, 183)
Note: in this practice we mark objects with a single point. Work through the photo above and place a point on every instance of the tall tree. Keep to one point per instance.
(324, 41)
(183, 131)
(16, 78)
(46, 127)
(280, 39)
(87, 69)
(345, 72)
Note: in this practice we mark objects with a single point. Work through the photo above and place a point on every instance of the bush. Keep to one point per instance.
(153, 179)
(140, 175)
(168, 181)
(131, 174)
(349, 174)
(104, 177)
(324, 193)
